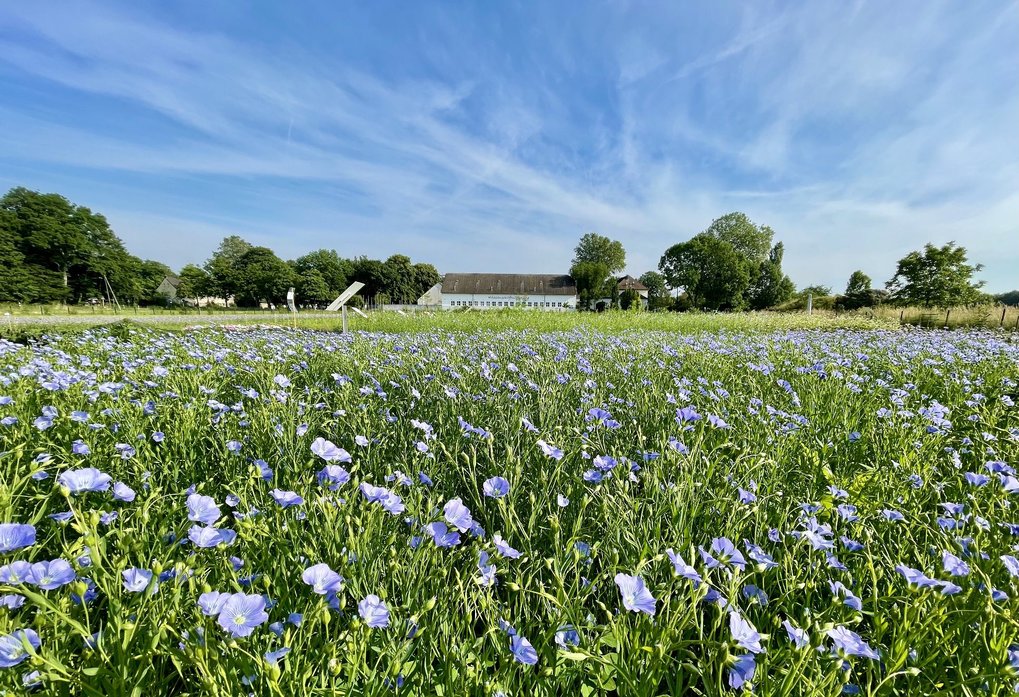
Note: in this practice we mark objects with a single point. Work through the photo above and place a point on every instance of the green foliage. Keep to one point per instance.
(751, 241)
(598, 249)
(224, 268)
(935, 277)
(590, 278)
(1010, 298)
(630, 299)
(859, 282)
(712, 273)
(262, 277)
(311, 288)
(657, 290)
(334, 270)
(195, 283)
(54, 251)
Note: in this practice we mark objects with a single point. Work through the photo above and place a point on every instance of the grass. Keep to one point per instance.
(790, 442)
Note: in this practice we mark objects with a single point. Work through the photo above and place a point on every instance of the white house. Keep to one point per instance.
(623, 284)
(485, 291)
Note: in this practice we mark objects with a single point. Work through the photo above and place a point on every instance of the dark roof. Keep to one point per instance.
(508, 284)
(172, 280)
(630, 283)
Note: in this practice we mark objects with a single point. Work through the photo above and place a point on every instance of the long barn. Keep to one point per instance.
(550, 292)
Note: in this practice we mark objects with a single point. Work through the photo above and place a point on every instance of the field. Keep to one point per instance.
(580, 510)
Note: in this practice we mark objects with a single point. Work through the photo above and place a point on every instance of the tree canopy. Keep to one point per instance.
(598, 249)
(935, 277)
(730, 265)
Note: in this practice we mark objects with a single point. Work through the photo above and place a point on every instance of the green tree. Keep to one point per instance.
(769, 286)
(629, 299)
(751, 241)
(657, 290)
(224, 267)
(598, 249)
(425, 276)
(935, 277)
(194, 283)
(50, 236)
(311, 288)
(859, 282)
(712, 273)
(399, 279)
(1009, 298)
(263, 277)
(590, 278)
(17, 283)
(150, 275)
(334, 269)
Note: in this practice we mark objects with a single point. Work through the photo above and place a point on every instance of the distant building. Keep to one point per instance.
(484, 291)
(623, 283)
(168, 288)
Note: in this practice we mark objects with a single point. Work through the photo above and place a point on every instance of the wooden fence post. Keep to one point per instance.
(1002, 322)
(948, 312)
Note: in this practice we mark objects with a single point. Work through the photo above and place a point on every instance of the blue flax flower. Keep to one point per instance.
(322, 579)
(744, 634)
(16, 536)
(202, 509)
(374, 612)
(286, 499)
(49, 575)
(84, 480)
(242, 613)
(851, 644)
(441, 535)
(522, 650)
(458, 515)
(14, 647)
(503, 547)
(741, 672)
(496, 487)
(136, 580)
(329, 452)
(636, 596)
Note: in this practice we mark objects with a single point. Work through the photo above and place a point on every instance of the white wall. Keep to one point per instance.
(481, 301)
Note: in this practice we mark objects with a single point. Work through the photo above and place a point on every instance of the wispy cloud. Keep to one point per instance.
(854, 139)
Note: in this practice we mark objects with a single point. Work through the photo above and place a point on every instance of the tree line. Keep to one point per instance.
(52, 250)
(736, 264)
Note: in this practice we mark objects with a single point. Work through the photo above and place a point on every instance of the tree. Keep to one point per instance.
(859, 282)
(629, 299)
(425, 276)
(589, 277)
(818, 291)
(935, 277)
(657, 290)
(224, 267)
(334, 269)
(263, 277)
(150, 275)
(194, 283)
(17, 283)
(311, 288)
(1009, 298)
(49, 233)
(769, 286)
(751, 241)
(710, 271)
(595, 248)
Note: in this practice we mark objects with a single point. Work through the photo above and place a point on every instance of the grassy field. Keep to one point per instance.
(560, 509)
(611, 322)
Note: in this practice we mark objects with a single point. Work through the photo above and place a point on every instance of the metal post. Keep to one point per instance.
(343, 312)
(810, 303)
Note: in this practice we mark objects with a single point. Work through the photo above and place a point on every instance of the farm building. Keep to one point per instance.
(623, 284)
(553, 292)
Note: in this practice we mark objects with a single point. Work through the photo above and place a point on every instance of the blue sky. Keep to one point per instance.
(488, 136)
